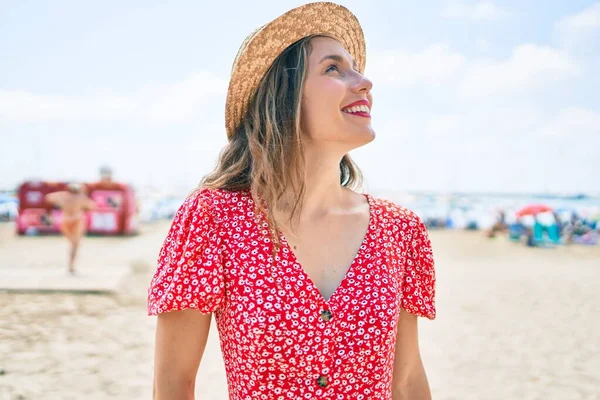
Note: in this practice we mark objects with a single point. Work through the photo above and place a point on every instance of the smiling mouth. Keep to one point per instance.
(358, 114)
(359, 110)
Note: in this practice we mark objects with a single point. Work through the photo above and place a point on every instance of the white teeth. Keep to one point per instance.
(361, 108)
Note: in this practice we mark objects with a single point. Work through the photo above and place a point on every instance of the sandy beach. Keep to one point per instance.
(513, 323)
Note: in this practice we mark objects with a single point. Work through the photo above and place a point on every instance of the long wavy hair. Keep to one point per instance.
(265, 155)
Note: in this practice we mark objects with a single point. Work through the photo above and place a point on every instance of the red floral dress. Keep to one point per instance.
(279, 337)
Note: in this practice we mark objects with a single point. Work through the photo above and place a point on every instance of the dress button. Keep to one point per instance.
(326, 315)
(322, 381)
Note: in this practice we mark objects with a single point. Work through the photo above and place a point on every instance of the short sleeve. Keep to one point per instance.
(190, 264)
(418, 293)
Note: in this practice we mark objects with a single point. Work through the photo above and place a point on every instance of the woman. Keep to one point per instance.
(315, 288)
(73, 203)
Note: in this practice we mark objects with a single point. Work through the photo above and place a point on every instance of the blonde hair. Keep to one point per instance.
(266, 154)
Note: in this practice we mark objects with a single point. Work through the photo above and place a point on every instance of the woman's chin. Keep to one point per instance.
(365, 135)
(359, 139)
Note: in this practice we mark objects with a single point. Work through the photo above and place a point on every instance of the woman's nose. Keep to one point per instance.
(362, 84)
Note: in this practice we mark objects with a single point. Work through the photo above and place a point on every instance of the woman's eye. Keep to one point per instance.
(332, 67)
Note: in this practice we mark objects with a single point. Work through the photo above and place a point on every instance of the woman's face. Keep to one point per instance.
(337, 100)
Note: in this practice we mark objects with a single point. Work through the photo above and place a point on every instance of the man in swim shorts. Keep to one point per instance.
(73, 202)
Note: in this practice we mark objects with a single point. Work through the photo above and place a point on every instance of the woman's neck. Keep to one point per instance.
(322, 189)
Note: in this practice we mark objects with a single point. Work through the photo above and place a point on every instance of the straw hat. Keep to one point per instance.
(263, 46)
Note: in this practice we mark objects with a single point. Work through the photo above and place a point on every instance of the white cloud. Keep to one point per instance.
(484, 10)
(581, 25)
(530, 66)
(575, 123)
(433, 65)
(442, 126)
(185, 99)
(154, 103)
(483, 44)
(210, 141)
(495, 149)
(488, 128)
(483, 127)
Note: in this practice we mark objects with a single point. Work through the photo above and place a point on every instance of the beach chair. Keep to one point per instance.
(515, 231)
(538, 233)
(554, 234)
(541, 236)
(590, 238)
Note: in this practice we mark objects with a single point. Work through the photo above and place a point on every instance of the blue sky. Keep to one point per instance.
(497, 96)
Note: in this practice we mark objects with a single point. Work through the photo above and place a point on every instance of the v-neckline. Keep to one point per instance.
(285, 244)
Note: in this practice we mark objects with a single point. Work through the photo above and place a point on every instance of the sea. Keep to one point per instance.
(481, 210)
(448, 210)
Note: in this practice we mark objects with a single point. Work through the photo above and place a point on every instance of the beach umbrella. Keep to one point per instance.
(533, 209)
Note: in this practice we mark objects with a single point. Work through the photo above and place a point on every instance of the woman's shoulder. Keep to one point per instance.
(215, 196)
(395, 213)
(220, 203)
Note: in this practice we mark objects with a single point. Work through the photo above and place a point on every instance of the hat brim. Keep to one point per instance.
(259, 50)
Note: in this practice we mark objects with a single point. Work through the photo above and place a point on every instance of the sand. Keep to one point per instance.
(513, 323)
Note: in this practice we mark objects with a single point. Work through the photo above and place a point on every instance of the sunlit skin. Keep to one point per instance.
(333, 82)
(329, 131)
(73, 203)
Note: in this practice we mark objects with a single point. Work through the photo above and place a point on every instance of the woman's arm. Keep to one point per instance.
(180, 341)
(55, 198)
(90, 204)
(409, 380)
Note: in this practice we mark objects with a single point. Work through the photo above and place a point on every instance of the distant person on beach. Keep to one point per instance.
(73, 204)
(499, 226)
(558, 222)
(106, 174)
(315, 287)
(529, 237)
(571, 227)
